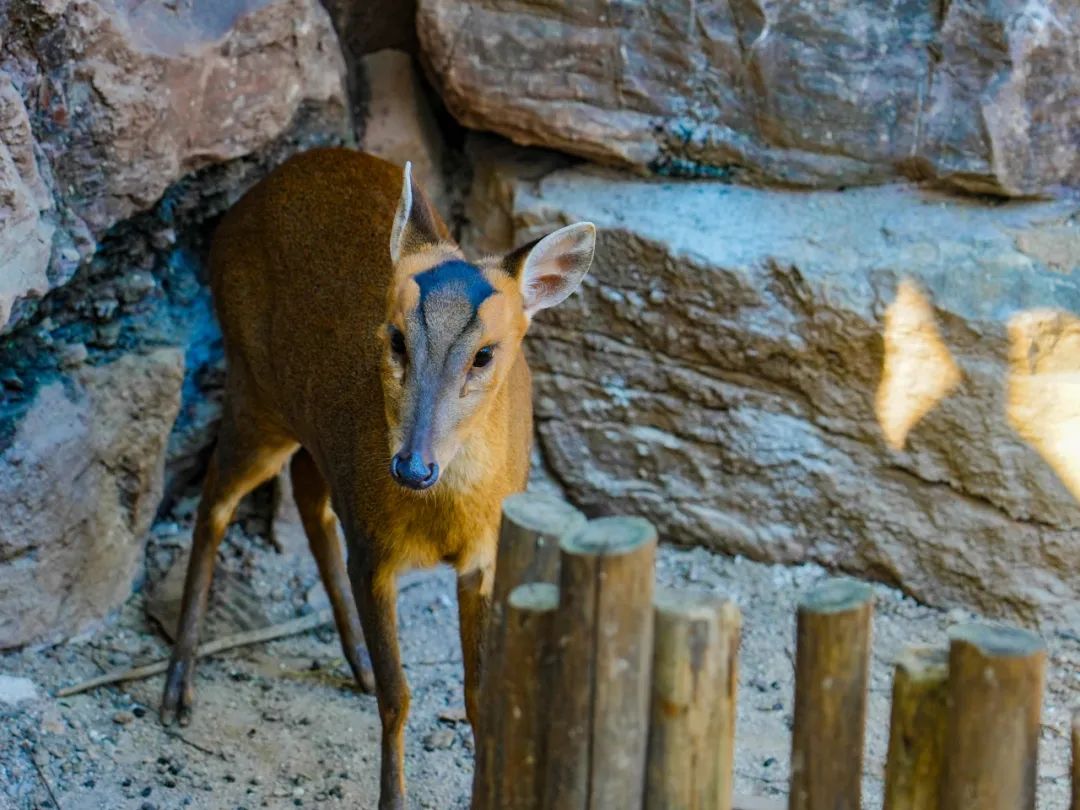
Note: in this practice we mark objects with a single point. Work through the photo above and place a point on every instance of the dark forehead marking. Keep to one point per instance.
(455, 278)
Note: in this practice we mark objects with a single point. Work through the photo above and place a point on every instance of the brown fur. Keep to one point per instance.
(304, 286)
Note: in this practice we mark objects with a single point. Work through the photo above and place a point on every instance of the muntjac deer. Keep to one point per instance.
(361, 342)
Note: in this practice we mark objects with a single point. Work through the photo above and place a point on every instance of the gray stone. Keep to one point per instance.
(79, 486)
(820, 93)
(724, 373)
(15, 690)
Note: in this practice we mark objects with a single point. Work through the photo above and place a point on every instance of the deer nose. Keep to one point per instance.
(413, 472)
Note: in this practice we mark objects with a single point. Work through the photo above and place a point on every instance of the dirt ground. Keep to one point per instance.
(279, 725)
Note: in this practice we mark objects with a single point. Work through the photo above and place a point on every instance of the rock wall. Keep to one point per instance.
(724, 373)
(982, 97)
(126, 129)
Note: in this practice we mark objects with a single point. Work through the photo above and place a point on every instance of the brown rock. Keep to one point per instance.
(124, 99)
(719, 374)
(79, 486)
(1003, 111)
(817, 93)
(25, 236)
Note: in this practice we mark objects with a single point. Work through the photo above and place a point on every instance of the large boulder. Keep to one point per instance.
(104, 104)
(984, 97)
(880, 380)
(80, 483)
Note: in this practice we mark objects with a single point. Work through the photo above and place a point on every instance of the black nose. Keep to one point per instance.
(411, 471)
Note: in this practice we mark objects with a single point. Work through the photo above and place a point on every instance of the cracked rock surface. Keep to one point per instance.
(719, 374)
(983, 97)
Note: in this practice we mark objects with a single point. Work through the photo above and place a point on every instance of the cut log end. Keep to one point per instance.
(610, 536)
(924, 664)
(837, 596)
(693, 604)
(998, 641)
(542, 514)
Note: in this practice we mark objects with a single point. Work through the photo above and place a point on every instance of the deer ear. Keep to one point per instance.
(416, 225)
(550, 269)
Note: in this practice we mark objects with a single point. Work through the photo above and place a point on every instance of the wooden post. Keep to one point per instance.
(524, 684)
(532, 526)
(1076, 760)
(599, 708)
(528, 552)
(692, 727)
(831, 672)
(995, 697)
(917, 729)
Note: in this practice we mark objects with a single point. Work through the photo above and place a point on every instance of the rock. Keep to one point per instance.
(453, 715)
(26, 243)
(721, 373)
(1003, 109)
(14, 690)
(124, 718)
(79, 485)
(818, 93)
(399, 124)
(72, 355)
(104, 105)
(439, 739)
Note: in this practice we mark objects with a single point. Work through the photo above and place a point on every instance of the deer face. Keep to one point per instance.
(454, 330)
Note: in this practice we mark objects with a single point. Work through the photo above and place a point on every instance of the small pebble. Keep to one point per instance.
(440, 738)
(73, 355)
(453, 715)
(124, 718)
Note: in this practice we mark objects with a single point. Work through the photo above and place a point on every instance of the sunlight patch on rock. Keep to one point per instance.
(918, 372)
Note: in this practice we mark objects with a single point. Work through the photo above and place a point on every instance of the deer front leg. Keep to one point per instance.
(375, 591)
(474, 605)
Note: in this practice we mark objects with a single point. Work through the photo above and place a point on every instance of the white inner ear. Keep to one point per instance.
(555, 266)
(401, 218)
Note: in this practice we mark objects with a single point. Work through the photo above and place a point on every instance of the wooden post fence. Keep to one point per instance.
(995, 699)
(831, 670)
(526, 674)
(917, 729)
(599, 705)
(528, 552)
(1076, 760)
(695, 675)
(599, 695)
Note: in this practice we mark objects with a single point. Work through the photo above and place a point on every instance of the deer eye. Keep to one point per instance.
(483, 357)
(397, 342)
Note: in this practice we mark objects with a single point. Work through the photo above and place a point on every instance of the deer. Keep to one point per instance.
(367, 352)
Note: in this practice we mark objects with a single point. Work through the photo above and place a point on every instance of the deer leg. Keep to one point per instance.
(474, 604)
(320, 525)
(375, 590)
(241, 461)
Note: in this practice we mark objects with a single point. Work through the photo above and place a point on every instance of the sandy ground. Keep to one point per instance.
(280, 725)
